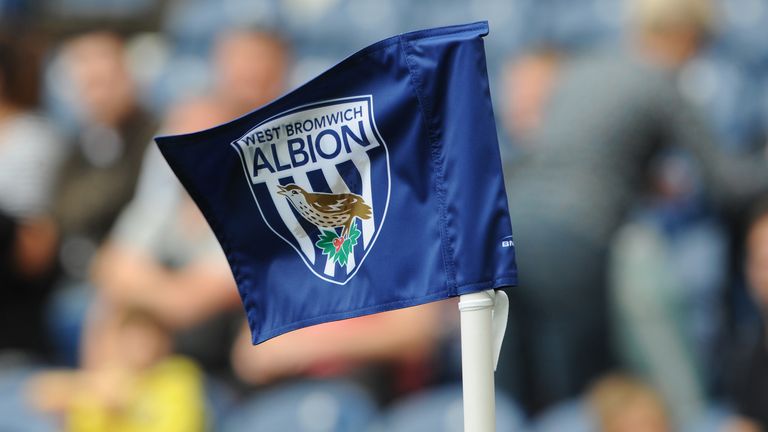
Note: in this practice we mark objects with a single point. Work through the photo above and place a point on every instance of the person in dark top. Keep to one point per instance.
(99, 175)
(30, 152)
(607, 116)
(751, 382)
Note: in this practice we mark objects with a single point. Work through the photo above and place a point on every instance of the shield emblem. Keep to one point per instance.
(317, 176)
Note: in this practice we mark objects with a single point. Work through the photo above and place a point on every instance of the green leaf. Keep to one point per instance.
(341, 257)
(354, 234)
(325, 243)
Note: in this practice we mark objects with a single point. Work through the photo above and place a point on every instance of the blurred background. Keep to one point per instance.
(633, 135)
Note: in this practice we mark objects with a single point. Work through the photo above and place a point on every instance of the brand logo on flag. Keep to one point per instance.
(310, 172)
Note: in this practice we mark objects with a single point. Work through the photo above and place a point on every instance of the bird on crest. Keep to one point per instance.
(326, 210)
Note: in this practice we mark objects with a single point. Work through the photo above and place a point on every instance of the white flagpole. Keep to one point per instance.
(479, 355)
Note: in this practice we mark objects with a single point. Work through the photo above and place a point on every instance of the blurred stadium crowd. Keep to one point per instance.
(634, 143)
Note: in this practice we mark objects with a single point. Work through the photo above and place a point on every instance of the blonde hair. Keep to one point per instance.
(654, 16)
(612, 395)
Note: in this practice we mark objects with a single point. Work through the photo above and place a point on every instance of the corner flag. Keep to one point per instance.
(375, 186)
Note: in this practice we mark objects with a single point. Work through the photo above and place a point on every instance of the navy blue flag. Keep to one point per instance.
(375, 186)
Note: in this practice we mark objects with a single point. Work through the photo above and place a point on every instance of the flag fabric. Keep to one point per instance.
(375, 186)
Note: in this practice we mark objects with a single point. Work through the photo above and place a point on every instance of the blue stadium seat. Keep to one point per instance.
(305, 406)
(441, 410)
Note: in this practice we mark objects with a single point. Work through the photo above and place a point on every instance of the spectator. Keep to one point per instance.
(751, 381)
(667, 274)
(528, 84)
(572, 194)
(335, 349)
(162, 257)
(99, 175)
(30, 152)
(375, 358)
(139, 386)
(624, 404)
(251, 67)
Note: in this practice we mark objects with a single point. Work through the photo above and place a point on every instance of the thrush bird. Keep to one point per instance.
(326, 210)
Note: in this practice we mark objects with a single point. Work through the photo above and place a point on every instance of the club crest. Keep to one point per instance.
(319, 174)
